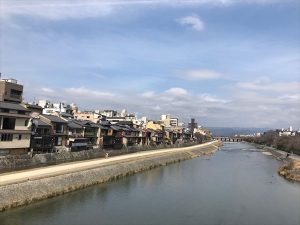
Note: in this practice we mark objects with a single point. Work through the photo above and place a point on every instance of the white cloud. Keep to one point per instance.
(265, 84)
(148, 94)
(176, 91)
(245, 108)
(56, 10)
(193, 21)
(211, 98)
(295, 97)
(200, 75)
(157, 108)
(48, 90)
(87, 93)
(72, 9)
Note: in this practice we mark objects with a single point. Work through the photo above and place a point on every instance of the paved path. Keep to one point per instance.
(32, 174)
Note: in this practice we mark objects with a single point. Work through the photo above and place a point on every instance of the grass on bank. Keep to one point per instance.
(271, 138)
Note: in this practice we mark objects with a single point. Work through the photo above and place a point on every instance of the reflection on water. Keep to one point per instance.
(237, 185)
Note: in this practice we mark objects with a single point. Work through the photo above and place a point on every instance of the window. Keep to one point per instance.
(88, 117)
(26, 123)
(22, 112)
(58, 141)
(8, 123)
(6, 137)
(59, 128)
(46, 131)
(20, 137)
(15, 93)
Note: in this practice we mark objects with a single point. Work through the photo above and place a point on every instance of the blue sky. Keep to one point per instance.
(224, 62)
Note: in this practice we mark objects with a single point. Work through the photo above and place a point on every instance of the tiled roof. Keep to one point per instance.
(42, 123)
(34, 106)
(9, 105)
(74, 125)
(54, 119)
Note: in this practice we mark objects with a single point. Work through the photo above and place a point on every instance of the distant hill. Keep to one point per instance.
(230, 131)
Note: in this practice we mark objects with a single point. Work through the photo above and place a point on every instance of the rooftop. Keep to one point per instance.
(54, 119)
(42, 123)
(15, 106)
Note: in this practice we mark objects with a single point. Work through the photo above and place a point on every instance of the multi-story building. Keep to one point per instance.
(114, 120)
(166, 120)
(33, 108)
(42, 140)
(44, 103)
(192, 125)
(10, 91)
(15, 130)
(51, 109)
(76, 140)
(109, 113)
(59, 129)
(169, 121)
(174, 122)
(88, 116)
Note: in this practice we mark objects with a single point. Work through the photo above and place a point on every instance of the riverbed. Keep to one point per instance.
(237, 185)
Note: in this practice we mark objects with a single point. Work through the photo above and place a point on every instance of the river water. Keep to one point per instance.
(237, 185)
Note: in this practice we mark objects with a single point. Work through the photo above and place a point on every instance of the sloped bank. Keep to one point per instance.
(290, 170)
(23, 193)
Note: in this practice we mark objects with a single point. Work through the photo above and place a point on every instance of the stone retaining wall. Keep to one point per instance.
(18, 162)
(14, 195)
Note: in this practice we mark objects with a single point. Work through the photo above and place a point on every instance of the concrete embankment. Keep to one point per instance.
(23, 187)
(25, 161)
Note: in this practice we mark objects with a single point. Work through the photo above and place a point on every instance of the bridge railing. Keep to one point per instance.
(228, 139)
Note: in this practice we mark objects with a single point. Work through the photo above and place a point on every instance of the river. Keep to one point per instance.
(237, 185)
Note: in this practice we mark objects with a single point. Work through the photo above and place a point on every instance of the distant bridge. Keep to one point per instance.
(228, 139)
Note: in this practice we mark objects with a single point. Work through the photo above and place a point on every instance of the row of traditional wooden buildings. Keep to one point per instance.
(24, 128)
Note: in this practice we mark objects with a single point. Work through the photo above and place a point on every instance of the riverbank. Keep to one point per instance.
(13, 163)
(24, 187)
(291, 168)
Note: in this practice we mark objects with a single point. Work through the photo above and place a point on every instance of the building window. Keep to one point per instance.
(20, 137)
(6, 137)
(15, 94)
(58, 141)
(8, 123)
(26, 123)
(88, 117)
(59, 128)
(22, 112)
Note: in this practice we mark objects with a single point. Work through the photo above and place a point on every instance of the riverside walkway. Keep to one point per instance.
(38, 173)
